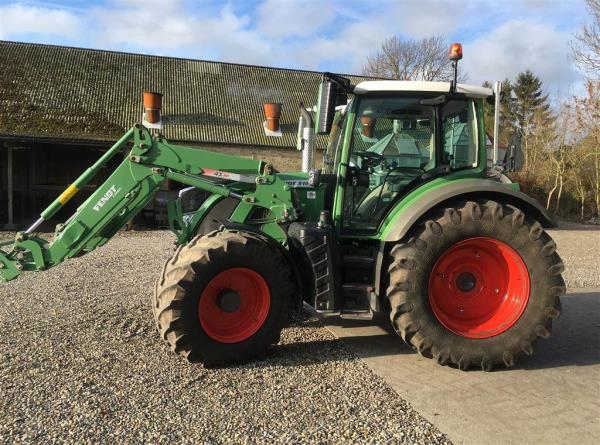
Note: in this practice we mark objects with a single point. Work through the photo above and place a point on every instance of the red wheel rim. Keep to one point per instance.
(479, 287)
(234, 305)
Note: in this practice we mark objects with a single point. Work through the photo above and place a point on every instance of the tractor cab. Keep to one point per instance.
(393, 137)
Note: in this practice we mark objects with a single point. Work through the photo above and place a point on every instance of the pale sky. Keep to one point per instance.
(499, 38)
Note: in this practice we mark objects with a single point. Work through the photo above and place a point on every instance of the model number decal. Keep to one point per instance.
(229, 176)
(297, 183)
(112, 191)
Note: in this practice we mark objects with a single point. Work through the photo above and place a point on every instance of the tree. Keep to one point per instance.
(425, 59)
(586, 47)
(578, 163)
(552, 139)
(529, 111)
(558, 169)
(586, 51)
(587, 109)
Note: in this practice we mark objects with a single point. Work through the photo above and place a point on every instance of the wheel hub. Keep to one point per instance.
(234, 305)
(479, 287)
(229, 300)
(466, 282)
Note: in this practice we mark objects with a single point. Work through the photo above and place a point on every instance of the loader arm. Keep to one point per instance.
(130, 187)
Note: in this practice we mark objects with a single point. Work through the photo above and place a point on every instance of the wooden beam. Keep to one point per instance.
(9, 177)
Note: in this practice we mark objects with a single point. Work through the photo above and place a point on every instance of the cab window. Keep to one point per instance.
(395, 140)
(459, 129)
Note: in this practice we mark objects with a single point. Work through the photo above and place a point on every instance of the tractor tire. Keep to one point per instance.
(223, 298)
(475, 285)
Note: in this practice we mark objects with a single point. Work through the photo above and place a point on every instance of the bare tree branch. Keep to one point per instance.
(586, 47)
(425, 59)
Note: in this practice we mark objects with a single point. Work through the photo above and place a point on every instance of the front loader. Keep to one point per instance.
(405, 218)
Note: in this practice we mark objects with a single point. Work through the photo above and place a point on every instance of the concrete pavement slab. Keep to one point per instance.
(552, 397)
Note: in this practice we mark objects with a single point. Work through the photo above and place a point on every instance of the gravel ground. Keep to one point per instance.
(579, 248)
(81, 362)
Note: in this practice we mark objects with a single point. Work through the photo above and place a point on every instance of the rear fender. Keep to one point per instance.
(407, 215)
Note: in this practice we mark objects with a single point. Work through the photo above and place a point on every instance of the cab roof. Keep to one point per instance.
(372, 86)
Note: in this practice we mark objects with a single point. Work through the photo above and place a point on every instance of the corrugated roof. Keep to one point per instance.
(73, 93)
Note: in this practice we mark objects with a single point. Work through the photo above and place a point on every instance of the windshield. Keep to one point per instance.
(395, 140)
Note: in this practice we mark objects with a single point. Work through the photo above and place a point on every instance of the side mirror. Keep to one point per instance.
(342, 98)
(328, 97)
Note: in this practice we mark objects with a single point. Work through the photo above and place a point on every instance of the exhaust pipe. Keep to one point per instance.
(306, 144)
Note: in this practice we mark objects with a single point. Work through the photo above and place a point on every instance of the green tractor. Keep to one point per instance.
(405, 218)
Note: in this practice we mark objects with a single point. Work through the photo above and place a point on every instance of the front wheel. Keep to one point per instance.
(223, 298)
(476, 285)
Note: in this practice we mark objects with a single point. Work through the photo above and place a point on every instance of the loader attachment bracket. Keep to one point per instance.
(9, 268)
(25, 253)
(33, 248)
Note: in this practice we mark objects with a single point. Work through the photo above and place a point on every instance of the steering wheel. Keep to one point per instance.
(370, 158)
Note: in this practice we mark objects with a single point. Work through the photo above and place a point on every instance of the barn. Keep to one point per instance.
(61, 107)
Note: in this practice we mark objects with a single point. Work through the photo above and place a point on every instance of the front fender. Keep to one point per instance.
(186, 227)
(418, 203)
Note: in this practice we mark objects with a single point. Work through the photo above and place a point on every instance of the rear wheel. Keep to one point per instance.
(476, 285)
(223, 298)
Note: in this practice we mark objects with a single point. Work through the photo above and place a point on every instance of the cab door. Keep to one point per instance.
(395, 143)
